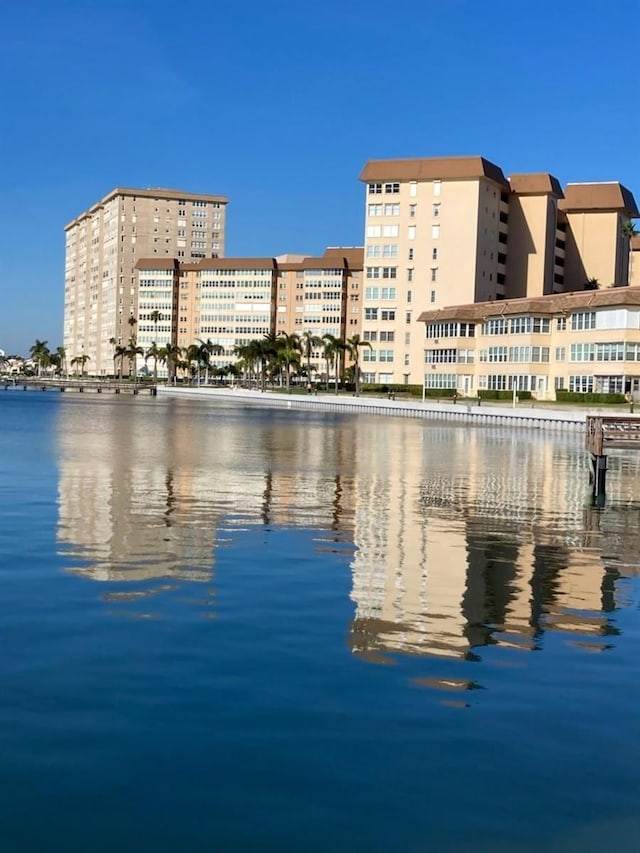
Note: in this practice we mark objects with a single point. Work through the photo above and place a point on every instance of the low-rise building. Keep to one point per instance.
(587, 342)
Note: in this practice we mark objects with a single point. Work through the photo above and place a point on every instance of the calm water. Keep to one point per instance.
(239, 629)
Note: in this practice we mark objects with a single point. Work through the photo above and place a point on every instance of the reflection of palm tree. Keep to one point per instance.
(353, 345)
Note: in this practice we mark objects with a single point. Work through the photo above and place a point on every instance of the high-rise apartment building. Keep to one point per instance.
(453, 230)
(232, 301)
(103, 245)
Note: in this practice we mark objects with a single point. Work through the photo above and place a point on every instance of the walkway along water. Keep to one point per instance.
(466, 411)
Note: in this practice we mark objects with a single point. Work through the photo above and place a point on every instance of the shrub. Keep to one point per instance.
(575, 397)
(504, 395)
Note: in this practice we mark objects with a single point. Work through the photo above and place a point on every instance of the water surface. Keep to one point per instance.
(246, 629)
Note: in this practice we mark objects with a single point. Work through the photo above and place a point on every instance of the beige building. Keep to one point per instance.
(232, 301)
(585, 342)
(102, 248)
(454, 230)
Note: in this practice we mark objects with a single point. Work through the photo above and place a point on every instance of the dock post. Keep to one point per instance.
(600, 476)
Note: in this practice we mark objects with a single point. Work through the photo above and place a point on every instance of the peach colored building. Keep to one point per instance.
(453, 230)
(232, 301)
(586, 342)
(102, 248)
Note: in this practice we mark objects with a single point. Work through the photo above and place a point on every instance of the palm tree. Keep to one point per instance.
(114, 344)
(61, 355)
(155, 353)
(308, 343)
(40, 354)
(156, 317)
(79, 361)
(630, 231)
(119, 352)
(206, 350)
(132, 352)
(288, 353)
(193, 359)
(170, 355)
(132, 325)
(353, 345)
(267, 351)
(333, 351)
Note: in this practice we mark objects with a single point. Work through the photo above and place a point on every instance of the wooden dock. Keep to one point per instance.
(608, 432)
(94, 386)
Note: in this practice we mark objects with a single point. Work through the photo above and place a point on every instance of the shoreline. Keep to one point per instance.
(465, 411)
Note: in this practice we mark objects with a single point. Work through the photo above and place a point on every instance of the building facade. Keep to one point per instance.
(233, 301)
(102, 248)
(586, 342)
(455, 230)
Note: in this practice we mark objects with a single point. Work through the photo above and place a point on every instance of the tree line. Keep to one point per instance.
(270, 358)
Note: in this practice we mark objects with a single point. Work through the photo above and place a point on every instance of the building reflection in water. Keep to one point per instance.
(463, 538)
(497, 551)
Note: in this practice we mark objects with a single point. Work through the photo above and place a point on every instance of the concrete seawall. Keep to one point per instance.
(473, 413)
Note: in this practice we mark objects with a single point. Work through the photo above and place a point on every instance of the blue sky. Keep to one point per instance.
(279, 105)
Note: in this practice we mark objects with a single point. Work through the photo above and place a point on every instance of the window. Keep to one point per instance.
(412, 232)
(375, 189)
(392, 188)
(582, 352)
(437, 187)
(410, 254)
(374, 210)
(410, 274)
(581, 384)
(560, 353)
(370, 336)
(389, 272)
(370, 313)
(434, 254)
(413, 188)
(385, 355)
(374, 251)
(388, 293)
(368, 354)
(390, 230)
(412, 211)
(407, 317)
(387, 314)
(436, 209)
(373, 272)
(390, 250)
(392, 209)
(435, 232)
(561, 324)
(374, 231)
(389, 337)
(583, 320)
(433, 296)
(434, 274)
(371, 292)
